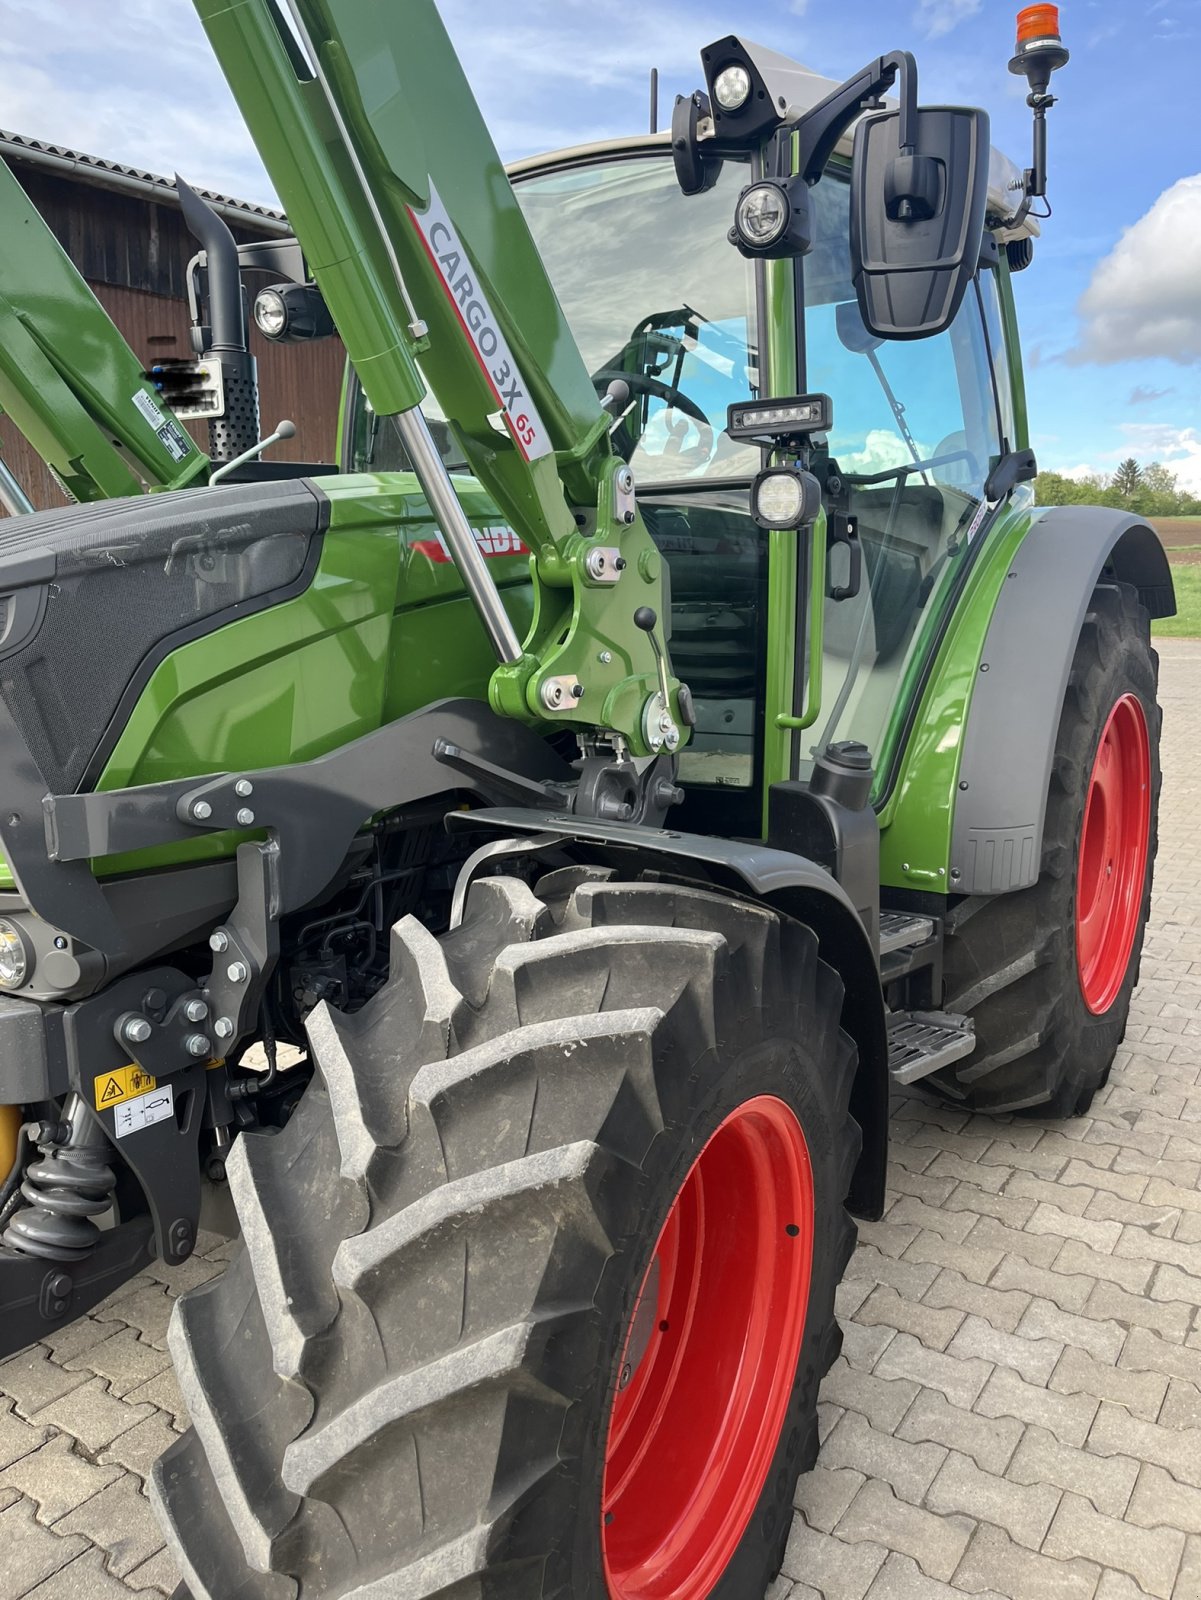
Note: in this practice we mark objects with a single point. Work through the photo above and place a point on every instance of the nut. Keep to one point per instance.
(223, 1028)
(219, 941)
(237, 972)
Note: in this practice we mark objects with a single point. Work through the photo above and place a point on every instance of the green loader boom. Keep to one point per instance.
(69, 381)
(391, 180)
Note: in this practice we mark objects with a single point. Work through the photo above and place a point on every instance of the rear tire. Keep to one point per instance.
(403, 1383)
(1048, 1024)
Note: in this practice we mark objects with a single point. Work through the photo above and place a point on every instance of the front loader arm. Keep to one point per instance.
(68, 379)
(366, 123)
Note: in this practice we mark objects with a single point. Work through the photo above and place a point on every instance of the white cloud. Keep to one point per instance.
(136, 81)
(936, 17)
(1144, 300)
(1178, 448)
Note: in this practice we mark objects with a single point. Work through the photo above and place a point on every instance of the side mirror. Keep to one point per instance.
(917, 218)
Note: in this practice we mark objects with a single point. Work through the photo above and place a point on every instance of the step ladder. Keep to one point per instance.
(900, 929)
(919, 1042)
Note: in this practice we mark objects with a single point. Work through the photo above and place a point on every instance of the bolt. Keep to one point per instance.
(963, 783)
(955, 874)
(243, 787)
(219, 941)
(223, 1028)
(620, 563)
(595, 563)
(577, 691)
(245, 816)
(418, 329)
(984, 666)
(672, 737)
(904, 866)
(552, 695)
(137, 1030)
(154, 1000)
(60, 943)
(942, 872)
(627, 1372)
(198, 1044)
(237, 972)
(625, 479)
(202, 810)
(605, 657)
(196, 1011)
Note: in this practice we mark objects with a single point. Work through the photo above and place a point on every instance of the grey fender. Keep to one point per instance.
(1009, 739)
(788, 883)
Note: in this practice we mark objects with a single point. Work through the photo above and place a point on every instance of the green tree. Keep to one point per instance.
(1128, 478)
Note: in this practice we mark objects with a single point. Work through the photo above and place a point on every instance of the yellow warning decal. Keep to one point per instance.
(123, 1084)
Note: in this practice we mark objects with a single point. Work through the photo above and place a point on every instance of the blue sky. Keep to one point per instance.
(1110, 310)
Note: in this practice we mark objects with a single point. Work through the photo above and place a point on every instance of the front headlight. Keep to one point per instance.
(762, 215)
(15, 961)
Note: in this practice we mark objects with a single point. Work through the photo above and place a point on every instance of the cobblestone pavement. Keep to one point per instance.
(1017, 1412)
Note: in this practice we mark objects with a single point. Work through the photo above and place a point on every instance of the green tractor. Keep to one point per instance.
(672, 727)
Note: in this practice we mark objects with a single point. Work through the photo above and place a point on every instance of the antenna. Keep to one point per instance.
(654, 99)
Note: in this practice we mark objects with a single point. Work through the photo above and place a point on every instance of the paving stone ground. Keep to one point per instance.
(1017, 1411)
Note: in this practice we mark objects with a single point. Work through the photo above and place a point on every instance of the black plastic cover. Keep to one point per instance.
(92, 598)
(917, 223)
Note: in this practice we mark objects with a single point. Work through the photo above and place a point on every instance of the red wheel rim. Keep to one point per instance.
(709, 1360)
(1113, 854)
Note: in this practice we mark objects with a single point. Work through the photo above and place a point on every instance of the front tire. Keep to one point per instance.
(1047, 972)
(472, 1346)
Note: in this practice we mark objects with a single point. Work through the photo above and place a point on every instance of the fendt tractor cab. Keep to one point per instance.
(671, 727)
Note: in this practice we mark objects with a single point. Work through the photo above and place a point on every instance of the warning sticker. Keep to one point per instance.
(123, 1084)
(171, 436)
(133, 1115)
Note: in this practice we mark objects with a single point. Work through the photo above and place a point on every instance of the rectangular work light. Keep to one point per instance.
(776, 421)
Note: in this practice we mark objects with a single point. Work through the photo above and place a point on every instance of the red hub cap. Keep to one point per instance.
(709, 1360)
(1113, 854)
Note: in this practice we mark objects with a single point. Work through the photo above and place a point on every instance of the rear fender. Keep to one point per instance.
(1013, 718)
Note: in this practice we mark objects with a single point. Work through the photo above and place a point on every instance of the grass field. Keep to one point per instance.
(1182, 540)
(1186, 624)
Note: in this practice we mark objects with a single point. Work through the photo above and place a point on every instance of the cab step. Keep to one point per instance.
(919, 1042)
(900, 929)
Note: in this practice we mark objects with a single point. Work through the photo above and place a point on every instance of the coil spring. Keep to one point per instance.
(70, 1185)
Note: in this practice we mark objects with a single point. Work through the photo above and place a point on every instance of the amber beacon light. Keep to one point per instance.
(1040, 52)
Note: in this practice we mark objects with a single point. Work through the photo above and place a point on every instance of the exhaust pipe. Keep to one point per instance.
(237, 431)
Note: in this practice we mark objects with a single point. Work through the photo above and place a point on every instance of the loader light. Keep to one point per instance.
(290, 313)
(270, 313)
(14, 957)
(783, 497)
(732, 88)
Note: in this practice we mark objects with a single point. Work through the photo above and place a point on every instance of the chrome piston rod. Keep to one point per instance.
(439, 490)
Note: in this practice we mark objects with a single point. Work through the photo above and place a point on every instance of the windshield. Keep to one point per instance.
(655, 298)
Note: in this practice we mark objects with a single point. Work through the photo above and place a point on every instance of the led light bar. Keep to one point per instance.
(781, 419)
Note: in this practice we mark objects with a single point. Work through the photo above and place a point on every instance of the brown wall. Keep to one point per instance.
(118, 241)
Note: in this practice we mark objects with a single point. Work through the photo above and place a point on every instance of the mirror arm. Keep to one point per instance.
(820, 129)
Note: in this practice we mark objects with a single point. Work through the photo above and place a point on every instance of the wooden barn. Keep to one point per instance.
(123, 229)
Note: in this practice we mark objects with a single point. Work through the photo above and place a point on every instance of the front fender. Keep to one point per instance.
(788, 883)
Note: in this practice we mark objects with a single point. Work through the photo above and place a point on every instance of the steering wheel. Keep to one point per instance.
(675, 400)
